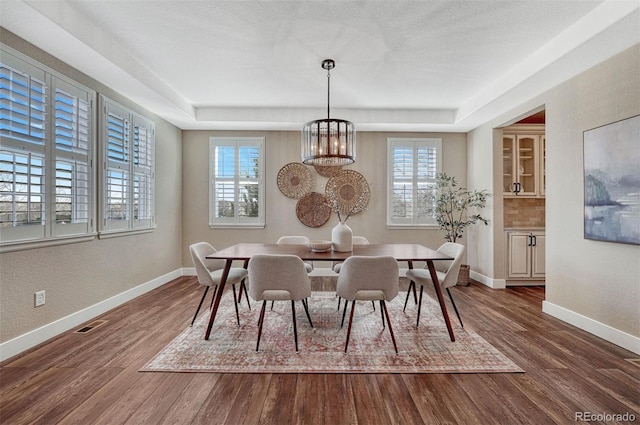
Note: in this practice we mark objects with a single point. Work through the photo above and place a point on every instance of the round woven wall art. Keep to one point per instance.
(313, 209)
(328, 170)
(295, 180)
(351, 190)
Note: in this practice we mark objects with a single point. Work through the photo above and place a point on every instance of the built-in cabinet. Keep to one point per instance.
(524, 157)
(525, 255)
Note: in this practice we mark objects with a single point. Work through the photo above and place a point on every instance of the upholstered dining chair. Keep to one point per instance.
(337, 265)
(302, 240)
(368, 278)
(447, 272)
(209, 274)
(357, 240)
(279, 277)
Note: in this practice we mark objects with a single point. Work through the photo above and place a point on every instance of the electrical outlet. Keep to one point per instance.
(39, 298)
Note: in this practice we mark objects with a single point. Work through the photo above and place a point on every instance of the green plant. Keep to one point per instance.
(453, 204)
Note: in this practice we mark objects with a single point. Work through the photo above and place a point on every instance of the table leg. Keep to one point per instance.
(443, 307)
(216, 302)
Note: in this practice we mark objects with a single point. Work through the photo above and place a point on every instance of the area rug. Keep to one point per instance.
(425, 349)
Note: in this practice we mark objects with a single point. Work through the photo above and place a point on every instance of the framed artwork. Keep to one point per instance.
(612, 182)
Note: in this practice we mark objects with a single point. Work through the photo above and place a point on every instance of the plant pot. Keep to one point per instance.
(463, 276)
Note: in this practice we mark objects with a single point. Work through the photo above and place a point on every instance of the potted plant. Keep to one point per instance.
(455, 209)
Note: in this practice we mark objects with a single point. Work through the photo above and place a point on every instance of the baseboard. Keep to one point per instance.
(606, 332)
(488, 281)
(37, 336)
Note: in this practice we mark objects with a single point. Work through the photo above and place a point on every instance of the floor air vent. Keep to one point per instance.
(91, 326)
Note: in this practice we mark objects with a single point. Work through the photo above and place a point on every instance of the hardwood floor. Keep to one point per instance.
(93, 378)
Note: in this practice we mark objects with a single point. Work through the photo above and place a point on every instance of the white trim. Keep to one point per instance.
(606, 332)
(43, 243)
(488, 281)
(37, 336)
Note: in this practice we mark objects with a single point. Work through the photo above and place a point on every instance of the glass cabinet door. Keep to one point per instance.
(527, 164)
(508, 159)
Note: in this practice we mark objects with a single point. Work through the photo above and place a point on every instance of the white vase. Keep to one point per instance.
(342, 238)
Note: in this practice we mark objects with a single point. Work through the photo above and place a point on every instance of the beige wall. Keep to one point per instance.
(595, 281)
(284, 147)
(77, 276)
(600, 280)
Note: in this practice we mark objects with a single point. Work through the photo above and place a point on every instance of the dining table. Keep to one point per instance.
(400, 251)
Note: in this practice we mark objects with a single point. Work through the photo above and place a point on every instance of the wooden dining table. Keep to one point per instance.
(399, 251)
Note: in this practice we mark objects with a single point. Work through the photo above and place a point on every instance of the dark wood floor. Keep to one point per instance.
(93, 378)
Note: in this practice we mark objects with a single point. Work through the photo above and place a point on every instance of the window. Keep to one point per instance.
(46, 150)
(236, 170)
(411, 172)
(128, 174)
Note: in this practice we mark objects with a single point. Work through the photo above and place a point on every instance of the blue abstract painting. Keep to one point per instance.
(612, 182)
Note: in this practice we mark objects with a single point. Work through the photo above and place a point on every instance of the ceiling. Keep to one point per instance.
(400, 65)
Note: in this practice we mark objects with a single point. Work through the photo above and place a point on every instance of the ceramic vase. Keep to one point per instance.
(342, 238)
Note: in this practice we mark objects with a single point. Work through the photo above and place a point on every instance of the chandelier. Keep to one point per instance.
(330, 141)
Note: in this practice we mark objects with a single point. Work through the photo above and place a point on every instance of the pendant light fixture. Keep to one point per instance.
(330, 141)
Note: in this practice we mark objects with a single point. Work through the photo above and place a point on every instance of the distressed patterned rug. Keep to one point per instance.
(426, 349)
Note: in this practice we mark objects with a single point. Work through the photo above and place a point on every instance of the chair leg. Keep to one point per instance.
(306, 310)
(339, 300)
(271, 304)
(295, 326)
(411, 284)
(260, 322)
(353, 307)
(246, 293)
(454, 307)
(393, 338)
(415, 296)
(381, 312)
(419, 306)
(344, 312)
(235, 303)
(206, 289)
(373, 303)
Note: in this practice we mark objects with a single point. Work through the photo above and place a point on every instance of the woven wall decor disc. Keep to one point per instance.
(313, 209)
(295, 180)
(350, 189)
(328, 170)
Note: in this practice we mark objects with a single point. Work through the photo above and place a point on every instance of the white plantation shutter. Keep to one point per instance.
(22, 102)
(412, 168)
(143, 166)
(129, 169)
(236, 167)
(22, 196)
(45, 153)
(73, 200)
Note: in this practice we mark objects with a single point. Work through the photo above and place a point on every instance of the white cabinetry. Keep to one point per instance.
(523, 161)
(525, 255)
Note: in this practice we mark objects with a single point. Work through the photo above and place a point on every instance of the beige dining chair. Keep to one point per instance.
(209, 272)
(447, 272)
(300, 240)
(276, 278)
(369, 278)
(337, 265)
(357, 240)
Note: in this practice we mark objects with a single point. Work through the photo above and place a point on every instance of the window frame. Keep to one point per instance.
(414, 144)
(236, 221)
(127, 166)
(69, 137)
